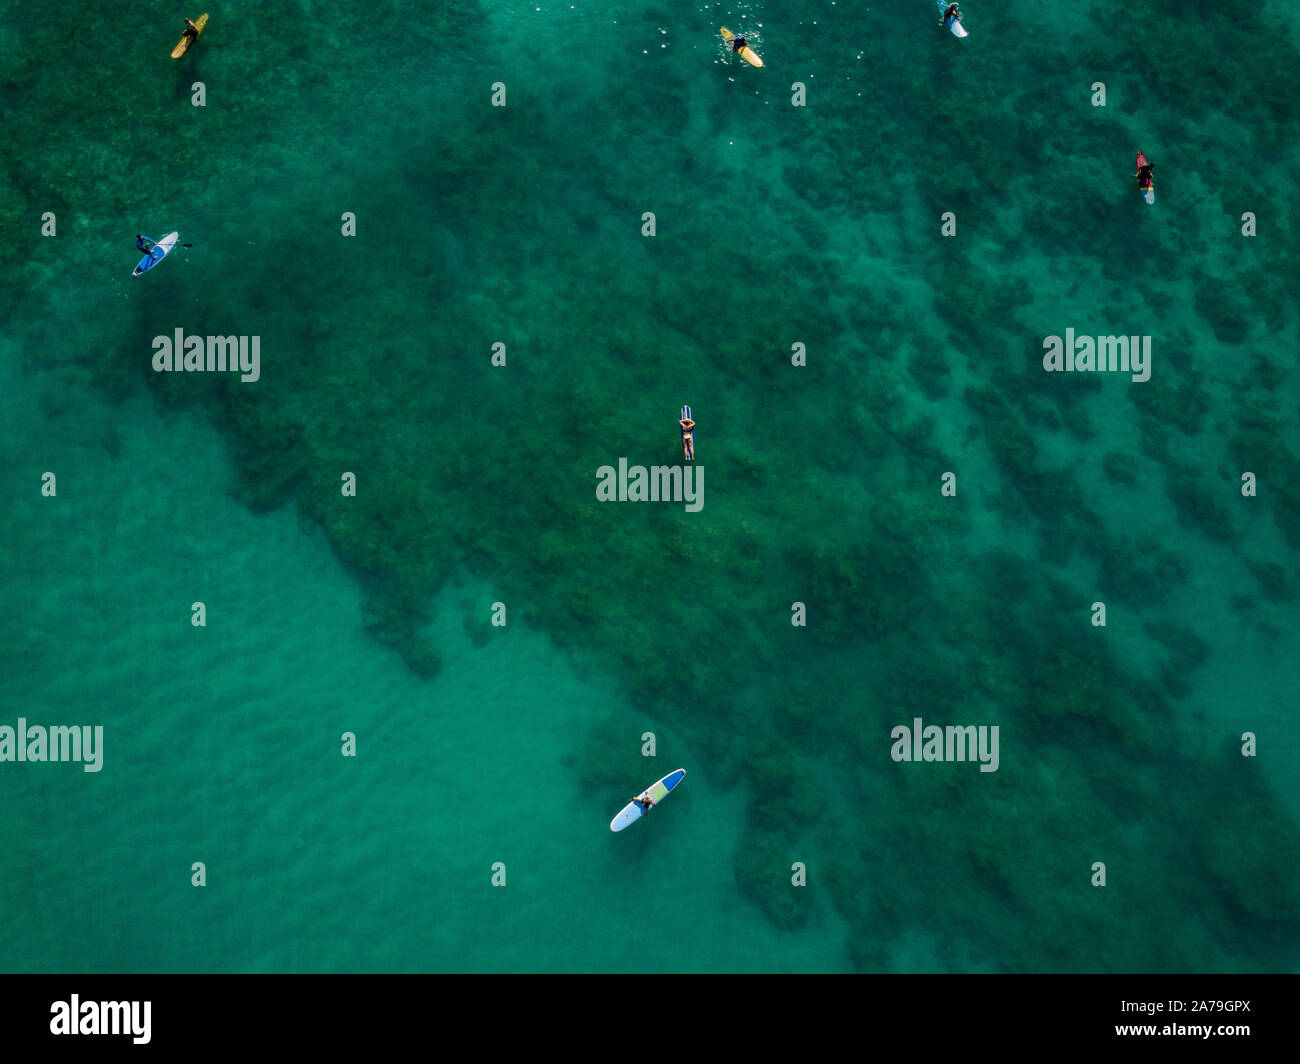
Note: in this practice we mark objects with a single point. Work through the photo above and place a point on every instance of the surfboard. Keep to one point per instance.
(632, 812)
(958, 30)
(183, 45)
(159, 252)
(1148, 193)
(746, 52)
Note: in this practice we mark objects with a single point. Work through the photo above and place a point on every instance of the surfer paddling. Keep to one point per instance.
(191, 31)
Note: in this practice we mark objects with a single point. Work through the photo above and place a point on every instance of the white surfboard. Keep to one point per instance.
(958, 30)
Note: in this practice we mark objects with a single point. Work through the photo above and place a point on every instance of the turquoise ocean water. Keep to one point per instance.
(776, 225)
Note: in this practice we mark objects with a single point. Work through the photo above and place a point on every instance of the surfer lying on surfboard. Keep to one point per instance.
(688, 433)
(645, 802)
(740, 46)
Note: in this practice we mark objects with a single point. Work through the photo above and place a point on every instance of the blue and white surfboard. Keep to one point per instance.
(633, 811)
(958, 30)
(159, 252)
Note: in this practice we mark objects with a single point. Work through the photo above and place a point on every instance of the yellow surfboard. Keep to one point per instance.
(746, 53)
(183, 45)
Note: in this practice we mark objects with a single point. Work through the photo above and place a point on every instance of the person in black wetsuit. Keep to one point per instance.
(951, 12)
(143, 245)
(1144, 175)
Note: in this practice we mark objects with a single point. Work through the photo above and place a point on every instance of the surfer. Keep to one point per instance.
(645, 802)
(737, 43)
(143, 244)
(1144, 175)
(191, 31)
(688, 436)
(950, 12)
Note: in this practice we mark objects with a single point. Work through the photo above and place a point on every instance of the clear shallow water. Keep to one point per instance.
(775, 225)
(221, 746)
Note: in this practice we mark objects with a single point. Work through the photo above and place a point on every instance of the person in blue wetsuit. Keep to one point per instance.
(951, 12)
(143, 245)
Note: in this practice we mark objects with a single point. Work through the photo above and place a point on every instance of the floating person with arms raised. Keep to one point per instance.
(688, 433)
